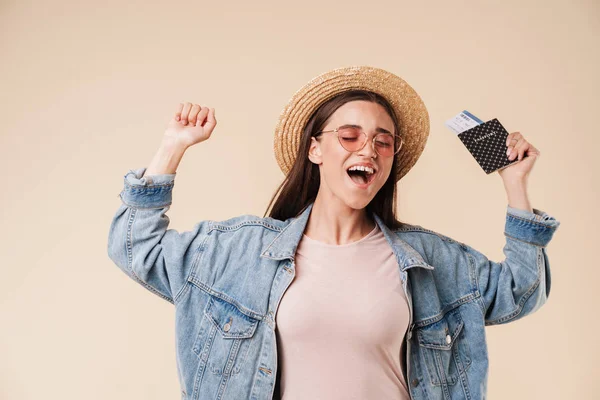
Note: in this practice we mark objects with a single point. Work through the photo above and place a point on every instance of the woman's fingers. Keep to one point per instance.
(202, 116)
(211, 122)
(196, 115)
(513, 148)
(184, 114)
(193, 114)
(528, 148)
(511, 142)
(192, 124)
(518, 146)
(178, 112)
(518, 149)
(512, 137)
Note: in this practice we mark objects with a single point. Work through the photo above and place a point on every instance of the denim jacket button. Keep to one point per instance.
(228, 325)
(415, 382)
(448, 339)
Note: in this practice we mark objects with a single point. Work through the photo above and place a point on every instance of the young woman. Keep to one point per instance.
(330, 296)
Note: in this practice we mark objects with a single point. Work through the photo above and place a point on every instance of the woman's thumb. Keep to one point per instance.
(211, 121)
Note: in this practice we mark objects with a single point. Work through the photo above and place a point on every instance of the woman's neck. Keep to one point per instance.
(334, 222)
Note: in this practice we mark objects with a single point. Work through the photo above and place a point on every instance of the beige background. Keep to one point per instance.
(87, 89)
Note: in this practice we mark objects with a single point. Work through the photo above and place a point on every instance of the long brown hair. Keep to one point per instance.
(301, 185)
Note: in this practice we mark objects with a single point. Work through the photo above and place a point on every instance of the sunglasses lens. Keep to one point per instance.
(385, 145)
(351, 138)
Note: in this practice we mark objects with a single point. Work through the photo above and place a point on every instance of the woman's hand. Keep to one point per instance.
(518, 147)
(191, 124)
(515, 176)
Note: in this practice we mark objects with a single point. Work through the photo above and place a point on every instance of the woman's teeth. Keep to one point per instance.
(361, 168)
(361, 175)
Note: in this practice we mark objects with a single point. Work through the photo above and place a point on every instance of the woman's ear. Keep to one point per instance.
(314, 152)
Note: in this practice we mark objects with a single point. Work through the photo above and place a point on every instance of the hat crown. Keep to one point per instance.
(410, 110)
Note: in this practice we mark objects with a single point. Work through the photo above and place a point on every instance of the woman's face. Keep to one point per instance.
(334, 161)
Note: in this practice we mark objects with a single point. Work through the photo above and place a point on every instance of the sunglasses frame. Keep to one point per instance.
(336, 131)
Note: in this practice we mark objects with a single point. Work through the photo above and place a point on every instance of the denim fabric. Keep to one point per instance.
(226, 279)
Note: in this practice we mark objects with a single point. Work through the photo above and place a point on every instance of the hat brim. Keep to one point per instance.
(410, 110)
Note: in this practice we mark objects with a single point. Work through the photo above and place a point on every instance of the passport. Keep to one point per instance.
(486, 141)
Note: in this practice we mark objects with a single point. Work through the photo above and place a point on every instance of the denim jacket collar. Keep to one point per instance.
(285, 244)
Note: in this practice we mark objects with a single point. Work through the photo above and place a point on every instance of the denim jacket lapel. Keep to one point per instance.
(285, 244)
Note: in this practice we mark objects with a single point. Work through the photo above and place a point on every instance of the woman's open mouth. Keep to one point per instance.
(361, 178)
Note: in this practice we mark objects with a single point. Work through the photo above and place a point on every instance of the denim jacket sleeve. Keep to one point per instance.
(140, 243)
(520, 284)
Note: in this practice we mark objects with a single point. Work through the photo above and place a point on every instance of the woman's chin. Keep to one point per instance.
(359, 197)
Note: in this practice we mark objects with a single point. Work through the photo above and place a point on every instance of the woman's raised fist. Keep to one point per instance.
(191, 124)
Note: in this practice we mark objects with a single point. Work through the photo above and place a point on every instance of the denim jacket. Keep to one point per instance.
(226, 280)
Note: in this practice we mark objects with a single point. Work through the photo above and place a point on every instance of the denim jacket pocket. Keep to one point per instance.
(223, 337)
(444, 348)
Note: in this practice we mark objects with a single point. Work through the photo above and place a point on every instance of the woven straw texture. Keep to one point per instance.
(410, 110)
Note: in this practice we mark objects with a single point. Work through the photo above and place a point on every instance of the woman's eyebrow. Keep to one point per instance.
(378, 129)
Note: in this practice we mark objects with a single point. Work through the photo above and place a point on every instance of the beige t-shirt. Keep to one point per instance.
(341, 322)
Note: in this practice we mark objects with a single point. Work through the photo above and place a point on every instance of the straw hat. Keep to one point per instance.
(410, 110)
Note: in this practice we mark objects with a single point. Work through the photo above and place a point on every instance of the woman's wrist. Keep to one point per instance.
(166, 159)
(516, 193)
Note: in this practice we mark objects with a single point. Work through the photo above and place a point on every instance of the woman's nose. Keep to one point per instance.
(368, 149)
